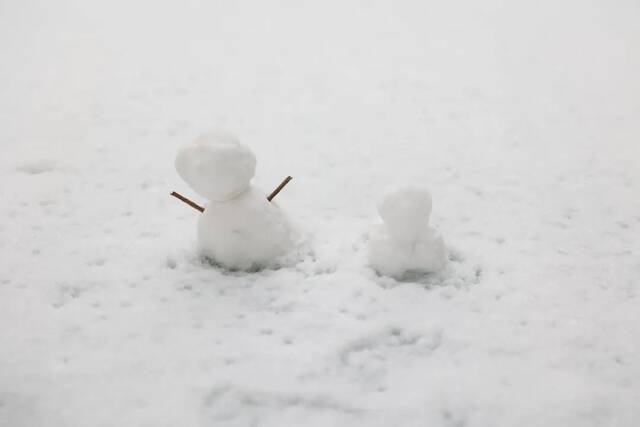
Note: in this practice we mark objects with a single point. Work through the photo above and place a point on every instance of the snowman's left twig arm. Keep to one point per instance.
(187, 201)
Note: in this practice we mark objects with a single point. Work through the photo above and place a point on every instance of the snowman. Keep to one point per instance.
(239, 229)
(405, 243)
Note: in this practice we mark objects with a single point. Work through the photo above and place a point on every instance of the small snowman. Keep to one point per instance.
(239, 228)
(405, 244)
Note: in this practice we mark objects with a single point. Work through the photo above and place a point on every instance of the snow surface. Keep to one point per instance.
(405, 242)
(523, 118)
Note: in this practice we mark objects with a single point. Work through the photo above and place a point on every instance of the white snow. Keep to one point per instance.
(244, 233)
(405, 242)
(522, 118)
(217, 166)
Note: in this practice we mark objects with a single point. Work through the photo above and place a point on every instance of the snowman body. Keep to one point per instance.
(405, 242)
(244, 233)
(239, 228)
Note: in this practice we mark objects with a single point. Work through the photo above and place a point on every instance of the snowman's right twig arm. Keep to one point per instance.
(187, 201)
(279, 188)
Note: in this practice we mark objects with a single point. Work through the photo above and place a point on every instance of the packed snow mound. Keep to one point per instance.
(217, 166)
(244, 233)
(405, 242)
(406, 211)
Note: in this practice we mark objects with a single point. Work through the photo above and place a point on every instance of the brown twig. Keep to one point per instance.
(279, 188)
(187, 201)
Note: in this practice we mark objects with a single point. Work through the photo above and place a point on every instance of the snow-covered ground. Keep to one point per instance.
(522, 117)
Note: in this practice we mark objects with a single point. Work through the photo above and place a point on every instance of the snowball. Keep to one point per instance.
(217, 166)
(405, 242)
(406, 211)
(244, 233)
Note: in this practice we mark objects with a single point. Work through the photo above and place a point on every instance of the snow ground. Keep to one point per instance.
(522, 117)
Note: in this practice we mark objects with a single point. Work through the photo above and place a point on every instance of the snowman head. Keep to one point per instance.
(406, 211)
(217, 166)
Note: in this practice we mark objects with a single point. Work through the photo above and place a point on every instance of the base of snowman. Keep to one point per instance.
(245, 233)
(458, 272)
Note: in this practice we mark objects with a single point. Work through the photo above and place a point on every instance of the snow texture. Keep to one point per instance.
(522, 118)
(405, 243)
